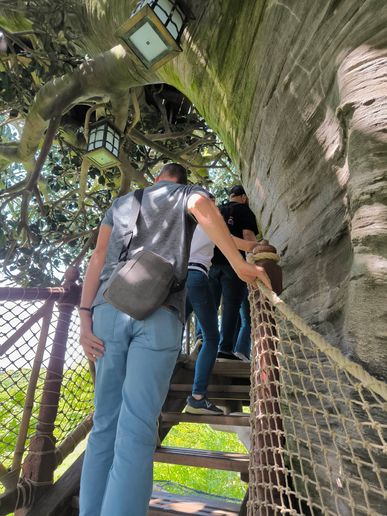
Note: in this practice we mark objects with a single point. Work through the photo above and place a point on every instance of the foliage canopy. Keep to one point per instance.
(52, 202)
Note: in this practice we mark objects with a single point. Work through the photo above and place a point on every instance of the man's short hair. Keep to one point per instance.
(237, 190)
(176, 171)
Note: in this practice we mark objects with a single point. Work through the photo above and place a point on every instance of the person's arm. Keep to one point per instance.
(248, 222)
(247, 245)
(92, 346)
(211, 220)
(249, 235)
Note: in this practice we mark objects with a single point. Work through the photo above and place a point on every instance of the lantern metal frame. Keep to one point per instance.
(145, 12)
(90, 154)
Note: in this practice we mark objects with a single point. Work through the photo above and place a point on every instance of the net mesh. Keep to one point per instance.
(319, 426)
(25, 355)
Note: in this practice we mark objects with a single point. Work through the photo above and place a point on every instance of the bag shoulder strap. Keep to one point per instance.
(133, 217)
(227, 211)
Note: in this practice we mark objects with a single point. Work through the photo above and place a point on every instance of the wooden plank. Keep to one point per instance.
(227, 389)
(177, 417)
(232, 368)
(213, 396)
(229, 368)
(180, 375)
(203, 458)
(163, 504)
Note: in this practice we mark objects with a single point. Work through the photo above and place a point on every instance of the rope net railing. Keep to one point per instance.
(318, 421)
(45, 385)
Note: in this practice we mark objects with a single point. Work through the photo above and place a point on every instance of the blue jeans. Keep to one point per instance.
(243, 340)
(132, 382)
(225, 283)
(200, 301)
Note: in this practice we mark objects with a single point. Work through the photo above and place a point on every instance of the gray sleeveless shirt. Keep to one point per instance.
(163, 226)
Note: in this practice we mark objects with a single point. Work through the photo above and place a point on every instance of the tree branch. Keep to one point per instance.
(140, 138)
(88, 244)
(34, 176)
(93, 78)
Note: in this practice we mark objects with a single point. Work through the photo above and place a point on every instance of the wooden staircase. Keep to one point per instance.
(230, 384)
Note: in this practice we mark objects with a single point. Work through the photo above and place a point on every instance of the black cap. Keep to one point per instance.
(237, 190)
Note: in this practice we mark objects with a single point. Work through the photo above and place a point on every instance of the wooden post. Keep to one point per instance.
(267, 475)
(40, 463)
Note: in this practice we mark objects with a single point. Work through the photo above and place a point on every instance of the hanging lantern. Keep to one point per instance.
(153, 31)
(103, 145)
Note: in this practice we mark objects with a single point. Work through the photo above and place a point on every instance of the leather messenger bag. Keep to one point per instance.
(140, 285)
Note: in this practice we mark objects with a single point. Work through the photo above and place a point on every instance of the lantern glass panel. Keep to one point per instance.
(148, 42)
(116, 148)
(162, 9)
(175, 25)
(99, 136)
(91, 144)
(109, 136)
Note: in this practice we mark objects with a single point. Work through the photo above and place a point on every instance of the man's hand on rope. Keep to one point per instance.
(92, 345)
(249, 273)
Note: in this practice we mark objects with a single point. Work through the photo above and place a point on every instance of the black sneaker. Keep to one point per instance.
(203, 406)
(227, 356)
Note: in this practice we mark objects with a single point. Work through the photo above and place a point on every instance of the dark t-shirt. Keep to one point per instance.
(237, 217)
(163, 226)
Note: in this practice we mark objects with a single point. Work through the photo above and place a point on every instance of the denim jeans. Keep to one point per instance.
(200, 301)
(243, 336)
(132, 382)
(225, 283)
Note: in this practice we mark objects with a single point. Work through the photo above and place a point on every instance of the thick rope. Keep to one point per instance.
(252, 258)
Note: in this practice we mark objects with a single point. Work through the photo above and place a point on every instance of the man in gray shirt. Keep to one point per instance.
(135, 359)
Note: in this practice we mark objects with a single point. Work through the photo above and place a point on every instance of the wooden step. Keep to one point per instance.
(183, 417)
(229, 368)
(164, 504)
(215, 392)
(203, 458)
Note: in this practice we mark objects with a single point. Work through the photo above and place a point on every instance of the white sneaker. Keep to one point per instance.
(241, 356)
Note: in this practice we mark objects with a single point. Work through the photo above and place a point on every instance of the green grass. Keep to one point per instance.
(74, 405)
(219, 483)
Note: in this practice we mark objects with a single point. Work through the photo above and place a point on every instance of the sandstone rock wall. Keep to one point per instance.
(298, 91)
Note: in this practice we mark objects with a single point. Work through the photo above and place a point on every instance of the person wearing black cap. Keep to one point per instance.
(224, 283)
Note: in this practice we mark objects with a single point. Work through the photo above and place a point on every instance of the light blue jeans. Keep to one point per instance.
(132, 382)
